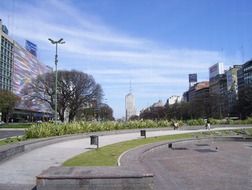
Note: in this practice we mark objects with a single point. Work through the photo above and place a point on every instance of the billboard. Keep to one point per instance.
(193, 77)
(215, 70)
(31, 47)
(25, 68)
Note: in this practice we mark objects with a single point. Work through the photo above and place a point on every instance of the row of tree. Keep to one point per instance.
(204, 106)
(77, 94)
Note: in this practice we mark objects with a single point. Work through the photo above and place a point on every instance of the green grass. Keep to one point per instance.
(10, 140)
(17, 125)
(108, 155)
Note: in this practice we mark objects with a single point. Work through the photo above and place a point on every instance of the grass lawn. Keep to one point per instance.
(10, 140)
(108, 155)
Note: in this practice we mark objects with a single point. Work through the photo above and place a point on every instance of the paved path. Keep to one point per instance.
(201, 164)
(20, 171)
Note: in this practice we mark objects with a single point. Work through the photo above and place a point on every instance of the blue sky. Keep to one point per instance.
(154, 44)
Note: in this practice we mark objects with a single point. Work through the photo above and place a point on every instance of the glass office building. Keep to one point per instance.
(6, 59)
(18, 67)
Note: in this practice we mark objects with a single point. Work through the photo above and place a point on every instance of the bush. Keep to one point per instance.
(193, 122)
(50, 129)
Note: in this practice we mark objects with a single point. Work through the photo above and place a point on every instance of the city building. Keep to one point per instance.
(130, 106)
(247, 73)
(245, 89)
(198, 89)
(27, 67)
(159, 103)
(18, 67)
(6, 58)
(173, 99)
(185, 97)
(218, 90)
(244, 77)
(232, 88)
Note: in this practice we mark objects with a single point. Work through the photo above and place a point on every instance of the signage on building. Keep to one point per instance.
(193, 77)
(229, 75)
(215, 70)
(5, 29)
(31, 47)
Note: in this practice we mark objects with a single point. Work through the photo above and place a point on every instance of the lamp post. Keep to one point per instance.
(60, 41)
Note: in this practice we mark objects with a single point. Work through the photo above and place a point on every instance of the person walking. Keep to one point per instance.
(208, 125)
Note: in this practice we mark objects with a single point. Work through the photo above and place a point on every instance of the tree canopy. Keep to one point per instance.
(76, 90)
(8, 100)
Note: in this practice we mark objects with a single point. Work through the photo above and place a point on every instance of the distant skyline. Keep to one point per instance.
(153, 44)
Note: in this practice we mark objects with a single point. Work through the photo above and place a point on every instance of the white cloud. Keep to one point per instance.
(121, 57)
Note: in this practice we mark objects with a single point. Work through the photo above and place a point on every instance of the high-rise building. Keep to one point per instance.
(232, 88)
(130, 105)
(247, 73)
(245, 89)
(6, 58)
(18, 67)
(27, 67)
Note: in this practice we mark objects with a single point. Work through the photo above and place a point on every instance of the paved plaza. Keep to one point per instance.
(20, 171)
(196, 165)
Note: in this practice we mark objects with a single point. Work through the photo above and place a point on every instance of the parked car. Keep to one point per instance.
(2, 123)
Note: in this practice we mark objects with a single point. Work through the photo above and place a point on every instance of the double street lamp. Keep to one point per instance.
(60, 41)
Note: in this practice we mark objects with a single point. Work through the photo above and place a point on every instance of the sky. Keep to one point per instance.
(148, 46)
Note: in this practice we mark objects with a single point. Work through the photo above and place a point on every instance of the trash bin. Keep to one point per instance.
(143, 133)
(94, 140)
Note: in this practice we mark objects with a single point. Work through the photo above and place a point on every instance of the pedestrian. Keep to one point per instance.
(208, 125)
(175, 125)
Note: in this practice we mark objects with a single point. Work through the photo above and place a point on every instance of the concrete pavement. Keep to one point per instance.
(20, 171)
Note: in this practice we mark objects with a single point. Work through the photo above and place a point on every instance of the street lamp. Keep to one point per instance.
(60, 41)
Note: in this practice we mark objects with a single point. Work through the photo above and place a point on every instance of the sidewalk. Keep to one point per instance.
(21, 170)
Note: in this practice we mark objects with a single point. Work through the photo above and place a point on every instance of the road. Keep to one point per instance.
(6, 133)
(20, 172)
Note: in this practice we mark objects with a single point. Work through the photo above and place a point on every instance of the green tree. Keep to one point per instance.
(105, 112)
(76, 90)
(245, 101)
(8, 100)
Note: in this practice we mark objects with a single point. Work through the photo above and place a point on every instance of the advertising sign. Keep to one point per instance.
(31, 47)
(193, 77)
(215, 70)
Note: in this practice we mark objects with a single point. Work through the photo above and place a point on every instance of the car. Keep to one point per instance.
(2, 123)
(39, 121)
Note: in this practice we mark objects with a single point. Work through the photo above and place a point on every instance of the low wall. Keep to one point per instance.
(98, 178)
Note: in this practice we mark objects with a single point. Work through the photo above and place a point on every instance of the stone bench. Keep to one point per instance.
(98, 178)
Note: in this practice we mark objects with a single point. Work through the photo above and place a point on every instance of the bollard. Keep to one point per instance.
(143, 133)
(170, 145)
(94, 140)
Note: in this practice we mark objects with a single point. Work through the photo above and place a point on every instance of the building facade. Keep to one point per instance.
(196, 89)
(130, 108)
(6, 58)
(18, 67)
(27, 67)
(173, 99)
(232, 89)
(247, 73)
